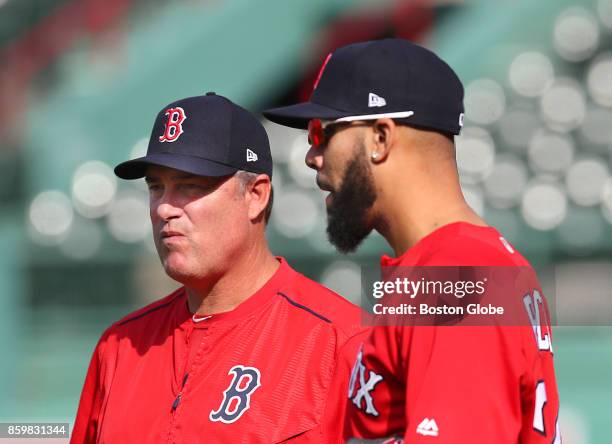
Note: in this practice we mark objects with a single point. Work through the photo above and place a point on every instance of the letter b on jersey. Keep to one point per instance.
(237, 397)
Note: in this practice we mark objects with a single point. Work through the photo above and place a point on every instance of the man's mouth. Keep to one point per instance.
(168, 234)
(323, 185)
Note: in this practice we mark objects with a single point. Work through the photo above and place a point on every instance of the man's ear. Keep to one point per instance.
(384, 135)
(258, 193)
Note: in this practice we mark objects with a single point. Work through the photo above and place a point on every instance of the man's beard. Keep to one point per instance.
(347, 223)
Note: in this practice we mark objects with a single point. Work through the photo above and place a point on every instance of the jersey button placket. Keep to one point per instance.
(191, 371)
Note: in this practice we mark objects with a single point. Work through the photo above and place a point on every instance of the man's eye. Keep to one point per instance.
(331, 130)
(153, 187)
(191, 187)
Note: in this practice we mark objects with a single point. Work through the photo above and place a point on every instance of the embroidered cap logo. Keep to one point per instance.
(174, 124)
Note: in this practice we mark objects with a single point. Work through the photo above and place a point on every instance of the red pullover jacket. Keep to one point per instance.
(272, 370)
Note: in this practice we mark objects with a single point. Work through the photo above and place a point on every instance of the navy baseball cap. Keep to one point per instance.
(205, 135)
(382, 78)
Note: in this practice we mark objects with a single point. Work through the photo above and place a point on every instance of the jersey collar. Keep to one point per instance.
(255, 303)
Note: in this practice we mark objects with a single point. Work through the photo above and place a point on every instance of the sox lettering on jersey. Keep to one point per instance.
(174, 124)
(365, 387)
(237, 397)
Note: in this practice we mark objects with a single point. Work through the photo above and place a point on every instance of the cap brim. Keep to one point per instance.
(298, 116)
(137, 168)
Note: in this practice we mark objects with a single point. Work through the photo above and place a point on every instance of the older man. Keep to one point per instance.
(247, 350)
(381, 122)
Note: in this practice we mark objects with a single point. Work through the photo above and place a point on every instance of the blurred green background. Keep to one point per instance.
(82, 80)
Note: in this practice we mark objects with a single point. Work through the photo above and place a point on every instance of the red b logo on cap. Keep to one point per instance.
(174, 125)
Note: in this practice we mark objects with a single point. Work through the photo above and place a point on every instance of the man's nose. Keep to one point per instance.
(314, 158)
(166, 209)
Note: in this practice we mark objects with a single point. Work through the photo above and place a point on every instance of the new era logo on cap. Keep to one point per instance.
(375, 101)
(251, 156)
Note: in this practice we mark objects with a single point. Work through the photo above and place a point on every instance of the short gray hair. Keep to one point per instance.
(245, 178)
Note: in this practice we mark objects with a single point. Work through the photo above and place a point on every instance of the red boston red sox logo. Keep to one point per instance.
(174, 124)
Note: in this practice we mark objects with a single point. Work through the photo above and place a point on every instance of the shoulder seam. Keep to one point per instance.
(147, 312)
(303, 307)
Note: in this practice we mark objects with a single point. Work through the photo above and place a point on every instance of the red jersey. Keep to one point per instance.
(272, 370)
(461, 384)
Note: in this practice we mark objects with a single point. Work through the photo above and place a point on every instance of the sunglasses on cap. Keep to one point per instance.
(320, 131)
